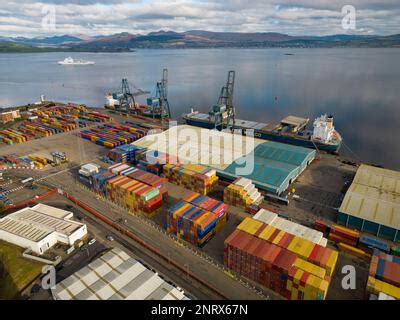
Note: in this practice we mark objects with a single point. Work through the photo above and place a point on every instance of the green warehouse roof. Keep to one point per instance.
(276, 165)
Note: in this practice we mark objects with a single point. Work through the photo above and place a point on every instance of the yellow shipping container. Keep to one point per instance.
(375, 286)
(310, 268)
(352, 250)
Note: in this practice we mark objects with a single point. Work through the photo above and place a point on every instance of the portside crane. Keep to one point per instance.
(158, 104)
(223, 114)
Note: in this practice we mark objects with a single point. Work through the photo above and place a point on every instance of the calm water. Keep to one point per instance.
(360, 87)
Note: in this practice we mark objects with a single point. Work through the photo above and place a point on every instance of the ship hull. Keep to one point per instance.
(334, 148)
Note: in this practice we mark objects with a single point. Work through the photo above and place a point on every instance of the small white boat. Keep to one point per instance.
(70, 61)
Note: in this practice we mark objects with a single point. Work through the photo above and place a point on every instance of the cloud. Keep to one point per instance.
(295, 17)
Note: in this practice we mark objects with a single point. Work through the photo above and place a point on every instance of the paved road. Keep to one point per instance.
(229, 287)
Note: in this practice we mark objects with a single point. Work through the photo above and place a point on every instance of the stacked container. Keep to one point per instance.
(275, 267)
(273, 219)
(123, 153)
(99, 181)
(113, 135)
(218, 208)
(242, 193)
(48, 121)
(341, 234)
(148, 178)
(384, 274)
(134, 195)
(194, 177)
(153, 161)
(39, 162)
(369, 243)
(303, 248)
(322, 226)
(10, 136)
(192, 223)
(141, 175)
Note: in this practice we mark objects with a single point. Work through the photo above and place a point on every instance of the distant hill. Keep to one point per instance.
(11, 47)
(199, 39)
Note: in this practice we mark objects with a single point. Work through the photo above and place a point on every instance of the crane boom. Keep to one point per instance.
(223, 113)
(159, 104)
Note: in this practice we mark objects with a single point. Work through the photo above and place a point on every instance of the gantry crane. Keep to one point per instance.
(124, 100)
(158, 104)
(223, 113)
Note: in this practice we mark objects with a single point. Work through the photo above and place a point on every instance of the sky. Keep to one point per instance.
(103, 17)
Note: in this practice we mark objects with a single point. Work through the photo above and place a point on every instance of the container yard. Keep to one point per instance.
(51, 120)
(293, 250)
(112, 135)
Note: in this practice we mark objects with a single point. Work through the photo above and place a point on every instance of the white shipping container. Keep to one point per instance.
(294, 228)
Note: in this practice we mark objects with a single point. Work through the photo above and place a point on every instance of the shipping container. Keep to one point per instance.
(303, 248)
(198, 178)
(369, 243)
(242, 193)
(341, 234)
(218, 208)
(192, 223)
(275, 267)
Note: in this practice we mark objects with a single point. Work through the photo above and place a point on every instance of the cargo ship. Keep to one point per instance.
(291, 130)
(113, 103)
(72, 62)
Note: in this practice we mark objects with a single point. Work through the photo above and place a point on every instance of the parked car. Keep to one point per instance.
(110, 237)
(92, 241)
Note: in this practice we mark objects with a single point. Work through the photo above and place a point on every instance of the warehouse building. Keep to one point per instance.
(40, 227)
(273, 166)
(116, 276)
(8, 116)
(372, 203)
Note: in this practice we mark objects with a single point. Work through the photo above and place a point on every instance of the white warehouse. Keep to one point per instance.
(116, 276)
(40, 227)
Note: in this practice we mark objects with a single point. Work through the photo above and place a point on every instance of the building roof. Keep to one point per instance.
(374, 195)
(37, 222)
(274, 163)
(116, 276)
(295, 121)
(52, 211)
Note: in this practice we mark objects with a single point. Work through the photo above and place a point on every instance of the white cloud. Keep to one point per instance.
(295, 17)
